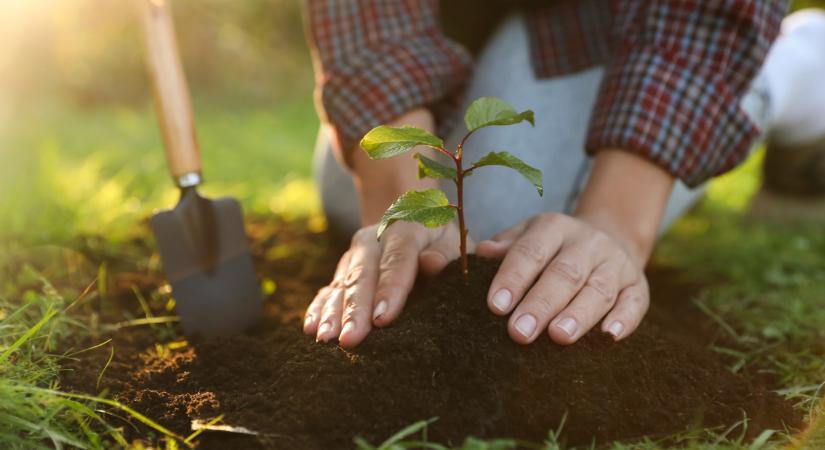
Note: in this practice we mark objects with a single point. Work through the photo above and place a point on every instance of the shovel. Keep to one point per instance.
(203, 246)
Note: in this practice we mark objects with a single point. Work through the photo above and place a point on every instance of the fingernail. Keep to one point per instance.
(568, 325)
(348, 327)
(322, 331)
(310, 319)
(502, 299)
(526, 324)
(380, 308)
(615, 329)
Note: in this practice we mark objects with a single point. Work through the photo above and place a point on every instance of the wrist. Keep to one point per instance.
(378, 187)
(625, 197)
(378, 183)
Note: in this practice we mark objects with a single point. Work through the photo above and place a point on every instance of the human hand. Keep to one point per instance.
(564, 274)
(374, 277)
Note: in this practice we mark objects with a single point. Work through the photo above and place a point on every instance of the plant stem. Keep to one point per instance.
(444, 151)
(459, 185)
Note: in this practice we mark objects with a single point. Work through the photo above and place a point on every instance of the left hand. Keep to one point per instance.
(564, 275)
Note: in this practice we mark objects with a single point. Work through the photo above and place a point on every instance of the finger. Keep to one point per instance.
(559, 283)
(497, 246)
(525, 260)
(396, 273)
(312, 316)
(331, 316)
(630, 308)
(594, 300)
(437, 255)
(313, 313)
(359, 289)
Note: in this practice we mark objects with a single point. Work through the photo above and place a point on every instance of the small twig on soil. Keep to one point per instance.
(142, 321)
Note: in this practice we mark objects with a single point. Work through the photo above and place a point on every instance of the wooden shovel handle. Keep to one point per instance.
(174, 109)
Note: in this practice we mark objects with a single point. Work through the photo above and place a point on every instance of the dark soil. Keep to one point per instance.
(446, 357)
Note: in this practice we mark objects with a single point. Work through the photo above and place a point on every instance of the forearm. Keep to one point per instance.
(379, 182)
(626, 196)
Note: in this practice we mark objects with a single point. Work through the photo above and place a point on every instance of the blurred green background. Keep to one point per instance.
(80, 152)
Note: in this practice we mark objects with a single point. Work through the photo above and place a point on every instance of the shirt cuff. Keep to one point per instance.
(673, 110)
(380, 85)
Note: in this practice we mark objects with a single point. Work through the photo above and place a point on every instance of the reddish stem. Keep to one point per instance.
(459, 184)
(445, 151)
(463, 140)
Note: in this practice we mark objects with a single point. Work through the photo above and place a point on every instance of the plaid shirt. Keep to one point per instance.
(676, 70)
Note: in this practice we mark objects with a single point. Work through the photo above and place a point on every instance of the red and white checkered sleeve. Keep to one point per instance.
(378, 59)
(674, 83)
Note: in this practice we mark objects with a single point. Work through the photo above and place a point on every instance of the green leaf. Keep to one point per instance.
(505, 159)
(489, 111)
(385, 142)
(431, 168)
(429, 208)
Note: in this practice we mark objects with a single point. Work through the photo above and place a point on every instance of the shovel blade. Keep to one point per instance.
(205, 255)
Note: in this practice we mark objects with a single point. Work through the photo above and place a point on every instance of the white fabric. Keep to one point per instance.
(794, 74)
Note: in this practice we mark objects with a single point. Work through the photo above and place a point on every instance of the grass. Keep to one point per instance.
(71, 173)
(34, 413)
(68, 172)
(766, 285)
(414, 436)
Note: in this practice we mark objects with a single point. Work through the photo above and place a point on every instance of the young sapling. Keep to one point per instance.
(431, 207)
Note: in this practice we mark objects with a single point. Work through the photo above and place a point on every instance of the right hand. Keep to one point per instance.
(374, 277)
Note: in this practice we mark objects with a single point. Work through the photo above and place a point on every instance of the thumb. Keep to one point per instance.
(497, 246)
(442, 251)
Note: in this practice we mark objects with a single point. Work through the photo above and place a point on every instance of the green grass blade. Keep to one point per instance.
(362, 444)
(141, 322)
(28, 334)
(197, 433)
(407, 431)
(114, 404)
(32, 427)
(105, 366)
(761, 440)
(13, 317)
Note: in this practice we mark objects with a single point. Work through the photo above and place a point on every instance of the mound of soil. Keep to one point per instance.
(446, 357)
